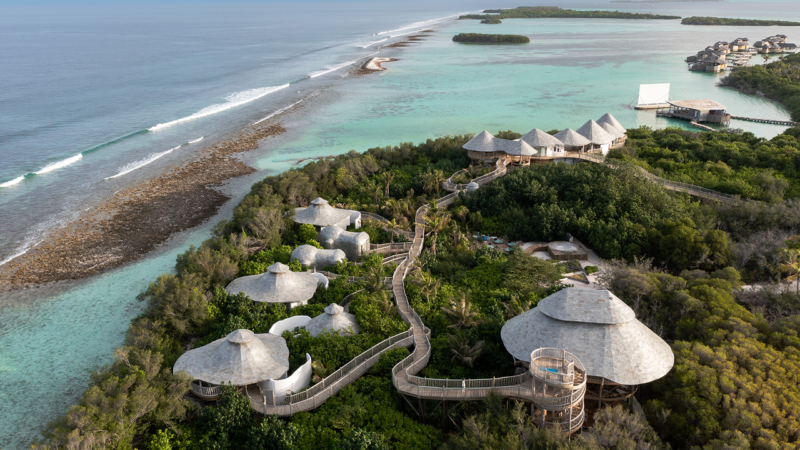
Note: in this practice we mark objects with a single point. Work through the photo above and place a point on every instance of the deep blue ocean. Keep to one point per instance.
(94, 99)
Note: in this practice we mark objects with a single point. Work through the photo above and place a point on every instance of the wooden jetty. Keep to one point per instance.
(770, 121)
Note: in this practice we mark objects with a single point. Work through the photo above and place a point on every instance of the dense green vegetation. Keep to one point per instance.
(736, 22)
(478, 38)
(778, 80)
(541, 12)
(491, 20)
(679, 263)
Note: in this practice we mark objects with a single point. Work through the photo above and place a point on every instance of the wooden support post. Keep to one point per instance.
(444, 415)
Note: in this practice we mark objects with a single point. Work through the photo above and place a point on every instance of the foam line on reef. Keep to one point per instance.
(10, 183)
(128, 168)
(330, 69)
(376, 42)
(232, 101)
(59, 164)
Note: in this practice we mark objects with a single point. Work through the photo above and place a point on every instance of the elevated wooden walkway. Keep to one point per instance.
(788, 123)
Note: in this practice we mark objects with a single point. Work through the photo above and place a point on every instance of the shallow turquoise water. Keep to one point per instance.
(572, 71)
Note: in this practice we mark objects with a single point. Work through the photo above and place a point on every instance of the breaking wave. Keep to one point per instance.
(128, 168)
(233, 100)
(330, 69)
(12, 182)
(373, 43)
(59, 164)
(424, 23)
(197, 140)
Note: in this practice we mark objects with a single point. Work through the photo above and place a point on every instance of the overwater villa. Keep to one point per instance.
(618, 352)
(538, 146)
(354, 244)
(335, 320)
(698, 111)
(311, 256)
(242, 358)
(740, 45)
(279, 285)
(320, 214)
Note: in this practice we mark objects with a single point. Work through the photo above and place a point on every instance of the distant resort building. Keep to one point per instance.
(722, 55)
(279, 285)
(618, 352)
(354, 244)
(699, 111)
(538, 146)
(335, 320)
(320, 214)
(311, 256)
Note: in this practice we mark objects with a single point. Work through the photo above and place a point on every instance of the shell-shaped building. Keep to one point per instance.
(321, 214)
(278, 285)
(334, 319)
(352, 243)
(311, 256)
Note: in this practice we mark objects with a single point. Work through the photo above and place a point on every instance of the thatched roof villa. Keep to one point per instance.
(320, 214)
(618, 351)
(278, 285)
(311, 256)
(354, 244)
(543, 143)
(572, 140)
(334, 319)
(241, 358)
(597, 135)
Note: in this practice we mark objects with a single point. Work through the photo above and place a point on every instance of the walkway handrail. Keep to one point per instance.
(383, 221)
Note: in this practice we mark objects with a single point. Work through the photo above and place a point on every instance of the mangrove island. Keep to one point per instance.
(479, 38)
(542, 12)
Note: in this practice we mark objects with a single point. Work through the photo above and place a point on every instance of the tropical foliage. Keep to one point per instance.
(478, 38)
(539, 12)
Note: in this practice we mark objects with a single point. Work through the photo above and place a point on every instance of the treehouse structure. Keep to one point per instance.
(618, 352)
(320, 214)
(333, 319)
(279, 285)
(354, 244)
(311, 256)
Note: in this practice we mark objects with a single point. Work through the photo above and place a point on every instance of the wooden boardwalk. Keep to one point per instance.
(788, 123)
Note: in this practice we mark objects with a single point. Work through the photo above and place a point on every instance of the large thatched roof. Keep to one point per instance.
(595, 133)
(483, 142)
(240, 358)
(333, 319)
(611, 120)
(539, 139)
(598, 328)
(277, 285)
(572, 139)
(517, 147)
(320, 213)
(615, 133)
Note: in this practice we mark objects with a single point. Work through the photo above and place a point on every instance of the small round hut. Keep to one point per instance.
(320, 214)
(618, 351)
(472, 187)
(277, 285)
(334, 319)
(482, 147)
(573, 142)
(600, 139)
(311, 256)
(543, 143)
(353, 243)
(241, 358)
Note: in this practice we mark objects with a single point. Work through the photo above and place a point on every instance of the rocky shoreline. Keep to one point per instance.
(137, 219)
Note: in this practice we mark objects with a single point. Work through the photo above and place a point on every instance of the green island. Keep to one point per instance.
(479, 38)
(736, 22)
(668, 1)
(491, 20)
(542, 12)
(778, 80)
(678, 262)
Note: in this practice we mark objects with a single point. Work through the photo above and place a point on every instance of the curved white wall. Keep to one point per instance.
(298, 381)
(289, 324)
(321, 280)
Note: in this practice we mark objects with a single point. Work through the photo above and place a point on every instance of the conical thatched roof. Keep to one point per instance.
(240, 358)
(333, 319)
(615, 133)
(571, 138)
(611, 120)
(595, 133)
(483, 142)
(320, 213)
(539, 139)
(598, 328)
(277, 285)
(517, 147)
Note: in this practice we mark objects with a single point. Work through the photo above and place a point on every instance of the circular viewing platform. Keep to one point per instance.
(559, 386)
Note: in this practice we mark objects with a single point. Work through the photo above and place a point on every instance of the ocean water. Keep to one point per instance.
(97, 99)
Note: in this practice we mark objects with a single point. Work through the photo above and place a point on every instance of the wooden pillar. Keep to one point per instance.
(600, 394)
(444, 415)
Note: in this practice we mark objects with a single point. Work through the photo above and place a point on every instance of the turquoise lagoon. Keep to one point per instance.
(572, 71)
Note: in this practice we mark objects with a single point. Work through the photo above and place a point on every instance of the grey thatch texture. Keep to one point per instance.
(595, 133)
(333, 319)
(572, 139)
(239, 358)
(473, 186)
(483, 142)
(604, 335)
(320, 213)
(277, 285)
(353, 243)
(611, 120)
(517, 147)
(311, 256)
(538, 139)
(615, 133)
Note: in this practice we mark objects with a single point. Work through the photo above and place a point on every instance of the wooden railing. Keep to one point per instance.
(205, 392)
(334, 276)
(384, 223)
(392, 247)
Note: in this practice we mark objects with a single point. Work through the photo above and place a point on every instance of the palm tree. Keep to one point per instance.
(387, 177)
(321, 370)
(392, 206)
(384, 301)
(435, 222)
(791, 263)
(462, 351)
(427, 283)
(373, 279)
(515, 307)
(433, 180)
(392, 226)
(461, 313)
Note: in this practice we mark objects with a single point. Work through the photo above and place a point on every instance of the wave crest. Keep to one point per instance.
(59, 164)
(128, 168)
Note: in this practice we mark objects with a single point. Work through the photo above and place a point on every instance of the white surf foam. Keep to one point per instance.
(12, 182)
(410, 32)
(128, 168)
(57, 165)
(373, 43)
(197, 140)
(330, 69)
(233, 100)
(424, 23)
(21, 251)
